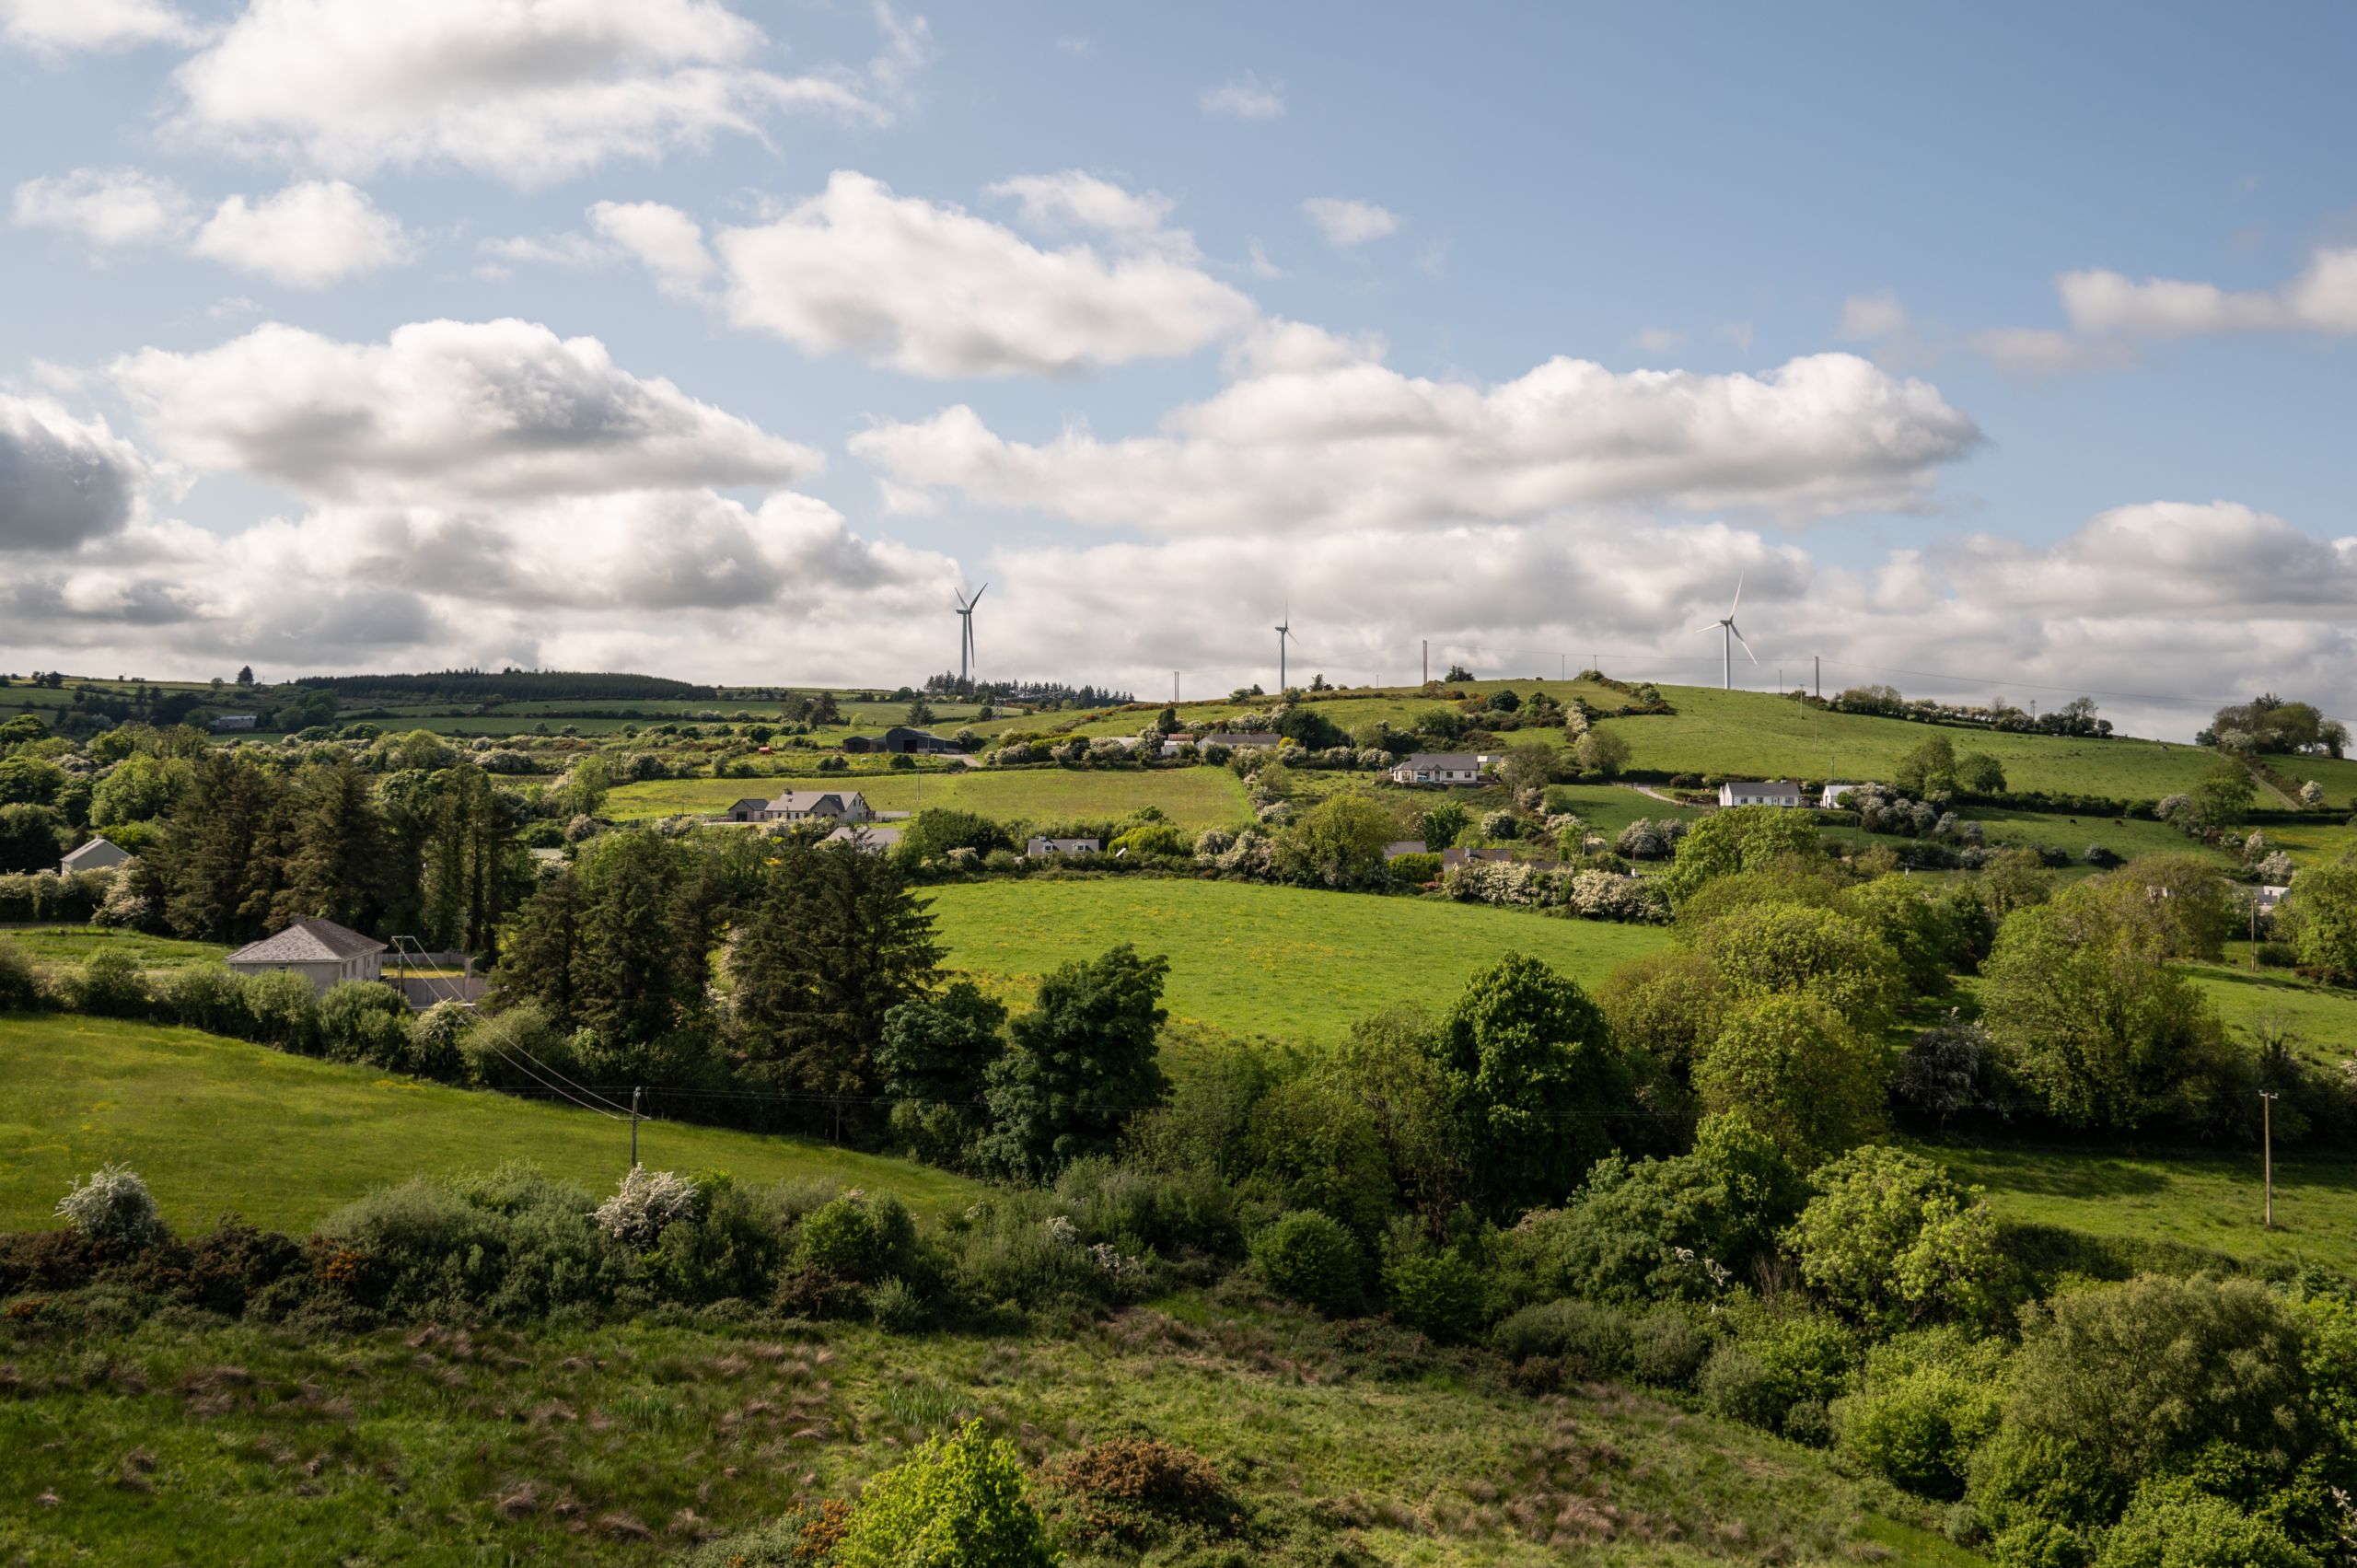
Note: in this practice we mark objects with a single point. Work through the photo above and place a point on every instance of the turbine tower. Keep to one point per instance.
(966, 636)
(1283, 630)
(1729, 635)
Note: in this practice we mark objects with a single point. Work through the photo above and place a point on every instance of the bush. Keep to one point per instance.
(855, 1238)
(1585, 1342)
(1781, 1374)
(113, 1204)
(509, 1243)
(2173, 1524)
(435, 1039)
(363, 1022)
(1017, 1250)
(1415, 869)
(109, 984)
(1133, 1489)
(282, 1010)
(645, 1202)
(1928, 1401)
(1891, 1240)
(505, 1048)
(209, 998)
(1138, 1210)
(20, 986)
(1440, 1294)
(1666, 1348)
(1313, 1259)
(956, 1503)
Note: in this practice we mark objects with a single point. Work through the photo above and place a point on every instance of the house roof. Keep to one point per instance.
(309, 942)
(1463, 760)
(1242, 737)
(1399, 847)
(865, 833)
(814, 799)
(1764, 786)
(95, 847)
(1063, 846)
(743, 801)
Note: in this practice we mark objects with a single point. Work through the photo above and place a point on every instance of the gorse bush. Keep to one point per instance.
(1313, 1259)
(112, 1204)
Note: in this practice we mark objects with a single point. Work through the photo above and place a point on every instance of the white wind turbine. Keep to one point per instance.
(1729, 635)
(966, 634)
(1283, 630)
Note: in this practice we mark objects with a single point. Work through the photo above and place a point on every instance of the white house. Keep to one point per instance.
(95, 855)
(235, 721)
(2267, 895)
(1439, 768)
(319, 950)
(801, 805)
(1771, 792)
(1834, 794)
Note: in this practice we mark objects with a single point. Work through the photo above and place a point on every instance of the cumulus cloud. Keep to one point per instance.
(494, 409)
(933, 290)
(58, 26)
(1345, 222)
(665, 240)
(2037, 352)
(527, 91)
(2322, 299)
(1244, 97)
(63, 480)
(308, 235)
(105, 208)
(1073, 200)
(1315, 434)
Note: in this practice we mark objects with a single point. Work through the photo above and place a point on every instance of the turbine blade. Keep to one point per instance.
(1738, 596)
(1708, 626)
(977, 595)
(1747, 646)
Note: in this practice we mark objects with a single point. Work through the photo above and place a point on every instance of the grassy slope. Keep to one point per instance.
(1748, 732)
(219, 1125)
(74, 943)
(579, 1446)
(2324, 1018)
(1193, 798)
(1249, 959)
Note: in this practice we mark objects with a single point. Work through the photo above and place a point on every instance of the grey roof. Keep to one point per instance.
(813, 799)
(1063, 846)
(1465, 760)
(866, 834)
(1399, 847)
(1766, 786)
(95, 847)
(309, 942)
(1235, 737)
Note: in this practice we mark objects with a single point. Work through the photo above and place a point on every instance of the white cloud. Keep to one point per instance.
(1315, 435)
(2109, 311)
(1865, 316)
(63, 480)
(1656, 340)
(310, 235)
(1244, 97)
(494, 408)
(2036, 352)
(932, 290)
(105, 207)
(524, 90)
(56, 27)
(1059, 203)
(665, 240)
(1345, 222)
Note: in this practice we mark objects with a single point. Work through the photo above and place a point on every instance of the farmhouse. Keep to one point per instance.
(863, 835)
(1399, 847)
(320, 951)
(1439, 768)
(801, 805)
(1835, 793)
(234, 721)
(1170, 743)
(95, 855)
(1237, 740)
(1042, 849)
(747, 809)
(1772, 791)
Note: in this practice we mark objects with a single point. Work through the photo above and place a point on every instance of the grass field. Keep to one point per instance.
(2126, 836)
(1752, 734)
(1248, 960)
(176, 1443)
(74, 943)
(218, 1125)
(2324, 1018)
(2209, 1199)
(1192, 797)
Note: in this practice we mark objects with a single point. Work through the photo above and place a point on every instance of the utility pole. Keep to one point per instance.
(1818, 660)
(1174, 688)
(1428, 661)
(633, 1129)
(2266, 1148)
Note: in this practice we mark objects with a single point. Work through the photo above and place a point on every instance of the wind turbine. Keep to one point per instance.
(1729, 635)
(1283, 630)
(966, 634)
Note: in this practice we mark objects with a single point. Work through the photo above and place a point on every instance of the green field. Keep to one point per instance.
(1192, 797)
(1749, 734)
(219, 1126)
(2209, 1199)
(2126, 837)
(74, 944)
(1251, 959)
(177, 1441)
(2324, 1018)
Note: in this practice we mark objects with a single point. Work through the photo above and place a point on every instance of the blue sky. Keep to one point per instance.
(2011, 345)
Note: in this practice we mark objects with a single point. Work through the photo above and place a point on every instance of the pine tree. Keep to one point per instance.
(337, 865)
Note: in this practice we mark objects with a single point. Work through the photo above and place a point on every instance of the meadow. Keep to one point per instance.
(1193, 798)
(1249, 959)
(175, 1441)
(2323, 1018)
(75, 944)
(220, 1126)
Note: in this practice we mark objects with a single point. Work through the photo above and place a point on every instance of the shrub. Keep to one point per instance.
(282, 1010)
(511, 1242)
(2174, 1523)
(107, 985)
(1666, 1348)
(1890, 1239)
(1587, 1342)
(1415, 868)
(363, 1022)
(1781, 1374)
(204, 996)
(1321, 1142)
(20, 986)
(505, 1048)
(956, 1503)
(894, 1306)
(112, 1204)
(1133, 1489)
(435, 1044)
(1439, 1292)
(854, 1237)
(1017, 1250)
(1928, 1401)
(1139, 1210)
(645, 1202)
(1313, 1259)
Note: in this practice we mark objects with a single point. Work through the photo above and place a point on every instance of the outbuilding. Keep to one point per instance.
(320, 951)
(96, 855)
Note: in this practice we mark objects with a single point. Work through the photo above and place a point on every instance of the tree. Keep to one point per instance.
(932, 834)
(1793, 1069)
(934, 1061)
(1535, 1078)
(1079, 1064)
(221, 860)
(137, 789)
(835, 941)
(1444, 823)
(1457, 674)
(586, 785)
(246, 675)
(2085, 1011)
(30, 781)
(1167, 722)
(2322, 909)
(1732, 840)
(2221, 800)
(1978, 772)
(1601, 751)
(1929, 769)
(336, 868)
(920, 712)
(1890, 1239)
(2185, 897)
(31, 838)
(1308, 726)
(1526, 766)
(1338, 843)
(1771, 949)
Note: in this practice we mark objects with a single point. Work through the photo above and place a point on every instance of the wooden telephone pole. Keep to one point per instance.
(2267, 1152)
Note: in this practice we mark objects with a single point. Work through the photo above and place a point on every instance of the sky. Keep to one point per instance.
(2001, 352)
